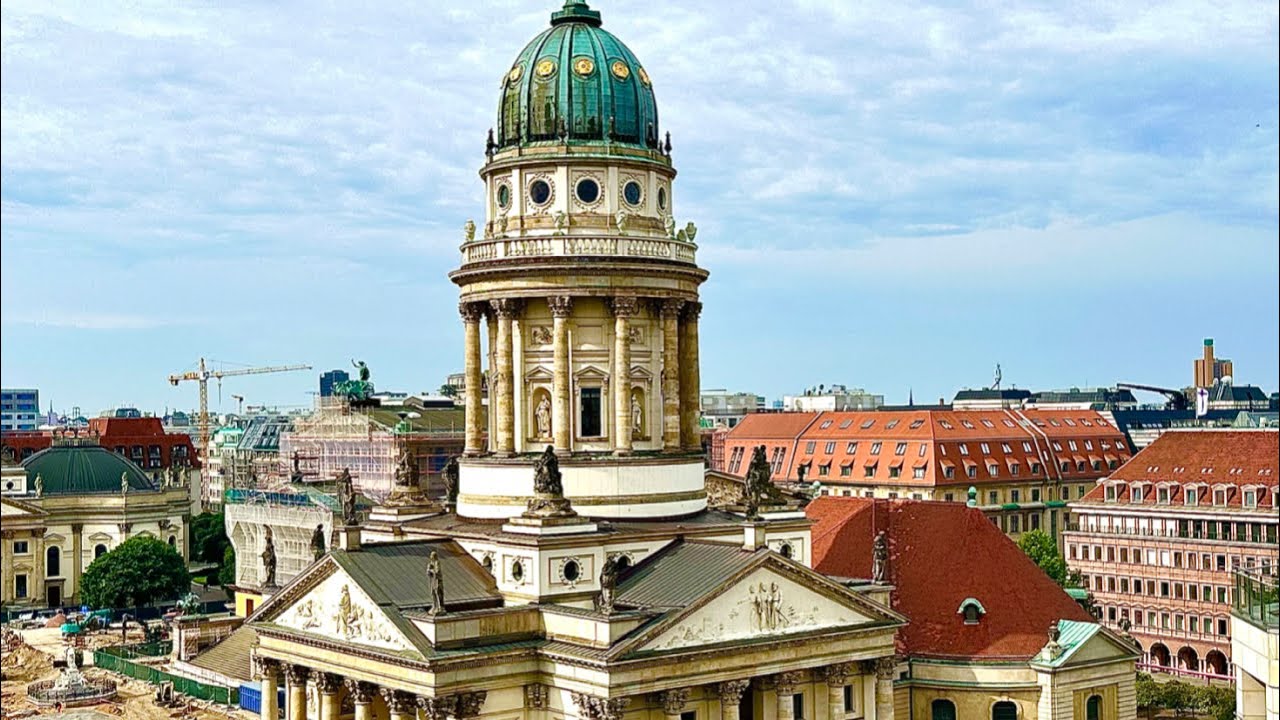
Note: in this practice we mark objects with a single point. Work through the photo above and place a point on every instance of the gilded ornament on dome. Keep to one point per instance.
(515, 73)
(620, 70)
(545, 68)
(644, 76)
(584, 66)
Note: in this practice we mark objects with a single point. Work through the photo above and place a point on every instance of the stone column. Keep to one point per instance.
(624, 307)
(296, 679)
(731, 697)
(503, 379)
(491, 327)
(673, 702)
(327, 685)
(671, 375)
(269, 672)
(362, 695)
(785, 688)
(6, 562)
(561, 425)
(399, 704)
(471, 313)
(884, 688)
(690, 378)
(837, 677)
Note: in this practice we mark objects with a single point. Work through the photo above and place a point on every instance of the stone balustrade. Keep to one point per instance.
(578, 246)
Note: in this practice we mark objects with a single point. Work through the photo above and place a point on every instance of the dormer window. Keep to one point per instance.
(972, 611)
(1135, 494)
(1112, 493)
(1220, 496)
(1251, 498)
(1192, 496)
(1162, 496)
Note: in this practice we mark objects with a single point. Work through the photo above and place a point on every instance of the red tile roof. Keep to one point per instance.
(941, 438)
(940, 555)
(1181, 459)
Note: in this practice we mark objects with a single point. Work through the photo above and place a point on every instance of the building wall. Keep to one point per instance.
(19, 409)
(1256, 654)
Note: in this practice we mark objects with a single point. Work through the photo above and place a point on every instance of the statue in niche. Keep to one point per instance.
(435, 581)
(269, 561)
(542, 416)
(469, 230)
(637, 416)
(880, 557)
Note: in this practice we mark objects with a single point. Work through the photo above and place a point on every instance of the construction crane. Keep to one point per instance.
(202, 376)
(1177, 399)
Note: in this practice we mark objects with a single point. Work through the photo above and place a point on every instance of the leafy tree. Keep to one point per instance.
(1219, 703)
(141, 570)
(1179, 697)
(208, 537)
(1043, 550)
(1149, 695)
(227, 573)
(448, 390)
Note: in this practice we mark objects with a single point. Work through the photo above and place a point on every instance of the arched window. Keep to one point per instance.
(621, 562)
(1004, 710)
(1093, 708)
(942, 710)
(99, 550)
(53, 561)
(785, 550)
(173, 541)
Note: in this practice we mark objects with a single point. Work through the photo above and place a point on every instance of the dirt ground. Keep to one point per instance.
(33, 661)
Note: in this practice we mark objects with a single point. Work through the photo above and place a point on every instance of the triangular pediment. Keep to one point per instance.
(770, 602)
(1083, 643)
(330, 604)
(591, 372)
(538, 374)
(19, 510)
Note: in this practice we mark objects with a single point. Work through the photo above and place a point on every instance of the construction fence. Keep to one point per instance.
(123, 659)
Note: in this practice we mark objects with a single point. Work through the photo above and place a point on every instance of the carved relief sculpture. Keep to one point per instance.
(541, 335)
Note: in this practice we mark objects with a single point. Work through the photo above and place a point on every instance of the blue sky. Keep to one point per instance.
(889, 195)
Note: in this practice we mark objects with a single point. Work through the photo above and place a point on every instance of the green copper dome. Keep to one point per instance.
(577, 83)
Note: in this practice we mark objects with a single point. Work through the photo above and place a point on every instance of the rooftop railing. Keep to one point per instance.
(577, 246)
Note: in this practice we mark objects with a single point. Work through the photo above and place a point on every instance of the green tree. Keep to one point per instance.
(227, 573)
(1043, 550)
(448, 390)
(1219, 703)
(1179, 697)
(208, 537)
(141, 570)
(1149, 696)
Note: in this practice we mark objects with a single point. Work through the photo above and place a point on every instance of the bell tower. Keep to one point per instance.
(579, 295)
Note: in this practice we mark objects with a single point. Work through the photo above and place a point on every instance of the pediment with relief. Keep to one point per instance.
(337, 608)
(762, 605)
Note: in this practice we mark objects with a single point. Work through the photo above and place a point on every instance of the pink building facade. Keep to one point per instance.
(1158, 540)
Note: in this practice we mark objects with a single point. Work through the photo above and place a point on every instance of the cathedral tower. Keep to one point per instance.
(582, 289)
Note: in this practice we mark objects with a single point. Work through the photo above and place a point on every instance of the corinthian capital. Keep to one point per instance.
(326, 683)
(507, 307)
(731, 691)
(673, 701)
(561, 305)
(471, 312)
(624, 305)
(361, 692)
(671, 307)
(692, 310)
(296, 674)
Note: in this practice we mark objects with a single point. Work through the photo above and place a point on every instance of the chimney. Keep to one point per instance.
(349, 538)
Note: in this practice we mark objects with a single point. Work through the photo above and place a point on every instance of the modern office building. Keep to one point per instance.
(330, 379)
(19, 409)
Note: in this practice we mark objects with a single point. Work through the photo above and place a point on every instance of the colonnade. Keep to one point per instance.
(467, 705)
(680, 378)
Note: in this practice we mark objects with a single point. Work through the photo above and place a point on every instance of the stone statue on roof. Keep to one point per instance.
(759, 482)
(880, 557)
(269, 561)
(347, 497)
(608, 581)
(317, 543)
(449, 475)
(435, 581)
(39, 485)
(546, 474)
(124, 483)
(469, 230)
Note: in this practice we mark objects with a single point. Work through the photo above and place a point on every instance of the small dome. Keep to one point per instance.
(579, 83)
(79, 469)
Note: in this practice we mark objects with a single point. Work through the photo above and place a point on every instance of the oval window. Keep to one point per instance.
(785, 550)
(504, 196)
(632, 193)
(517, 571)
(540, 192)
(662, 198)
(572, 571)
(622, 562)
(487, 564)
(588, 190)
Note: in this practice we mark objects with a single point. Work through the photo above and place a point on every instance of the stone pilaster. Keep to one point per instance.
(400, 705)
(296, 679)
(837, 677)
(504, 377)
(885, 668)
(327, 685)
(561, 425)
(785, 687)
(362, 696)
(671, 375)
(624, 308)
(731, 697)
(471, 314)
(77, 560)
(690, 378)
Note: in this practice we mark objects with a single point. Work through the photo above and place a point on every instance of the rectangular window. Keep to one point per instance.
(20, 547)
(19, 586)
(1015, 523)
(831, 448)
(964, 449)
(895, 471)
(689, 715)
(1193, 623)
(973, 471)
(875, 448)
(589, 413)
(870, 471)
(850, 700)
(846, 470)
(1222, 626)
(810, 446)
(1015, 495)
(797, 706)
(917, 473)
(901, 449)
(851, 448)
(924, 448)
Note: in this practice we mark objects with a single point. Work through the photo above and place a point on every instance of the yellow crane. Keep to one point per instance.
(202, 376)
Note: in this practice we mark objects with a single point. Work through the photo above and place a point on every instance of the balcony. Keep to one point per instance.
(646, 248)
(1257, 598)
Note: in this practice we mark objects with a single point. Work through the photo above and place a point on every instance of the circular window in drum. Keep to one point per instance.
(504, 196)
(632, 192)
(540, 192)
(662, 198)
(571, 571)
(588, 190)
(517, 571)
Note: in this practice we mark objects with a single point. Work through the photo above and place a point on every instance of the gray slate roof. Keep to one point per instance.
(231, 656)
(682, 574)
(395, 574)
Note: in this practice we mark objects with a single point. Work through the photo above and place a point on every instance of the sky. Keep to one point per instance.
(889, 195)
